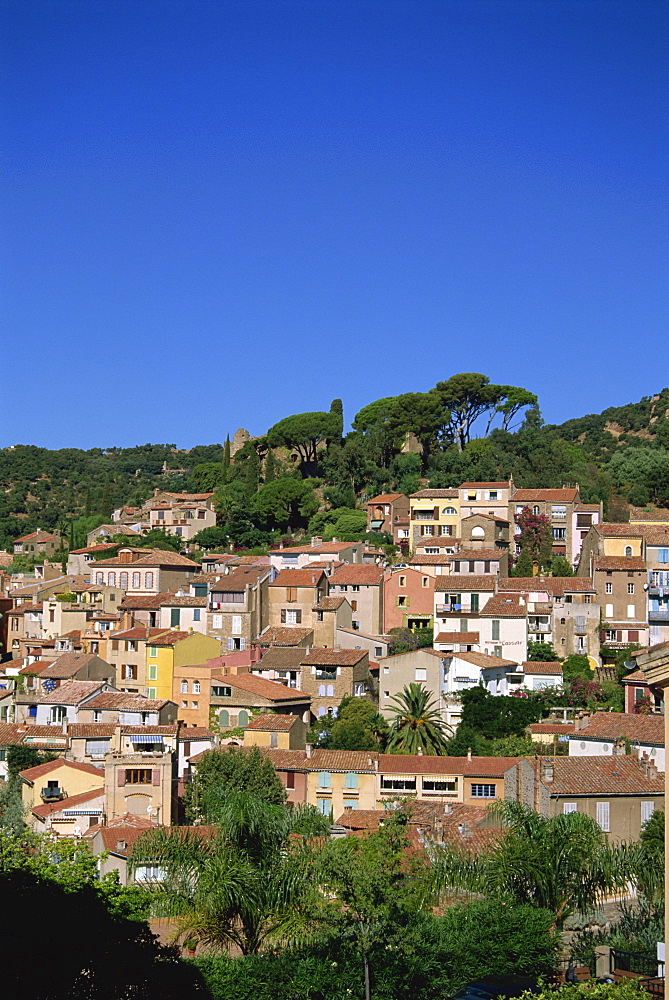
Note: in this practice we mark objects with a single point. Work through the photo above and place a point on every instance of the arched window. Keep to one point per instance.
(184, 687)
(243, 718)
(224, 717)
(330, 691)
(478, 532)
(628, 550)
(535, 510)
(321, 690)
(321, 712)
(100, 578)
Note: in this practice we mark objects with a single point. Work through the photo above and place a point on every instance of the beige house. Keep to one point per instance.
(38, 543)
(300, 556)
(561, 507)
(293, 594)
(420, 666)
(143, 784)
(362, 586)
(283, 732)
(236, 698)
(145, 571)
(389, 512)
(182, 517)
(433, 514)
(485, 498)
(126, 651)
(329, 674)
(485, 531)
(239, 605)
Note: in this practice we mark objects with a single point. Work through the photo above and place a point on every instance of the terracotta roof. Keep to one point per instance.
(307, 577)
(639, 514)
(171, 638)
(435, 495)
(430, 560)
(488, 517)
(549, 496)
(339, 657)
(69, 802)
(263, 688)
(33, 774)
(273, 723)
(628, 623)
(463, 581)
(123, 830)
(139, 632)
(23, 608)
(169, 730)
(477, 554)
(280, 635)
(185, 602)
(614, 529)
(91, 730)
(98, 547)
(324, 548)
(621, 775)
(341, 760)
(365, 575)
(551, 584)
(484, 661)
(559, 728)
(636, 676)
(69, 664)
(72, 693)
(656, 536)
(505, 605)
(153, 557)
(281, 656)
(611, 726)
(143, 602)
(238, 579)
(11, 734)
(499, 485)
(386, 498)
(542, 667)
(620, 562)
(329, 603)
(195, 733)
(36, 667)
(494, 767)
(122, 702)
(471, 638)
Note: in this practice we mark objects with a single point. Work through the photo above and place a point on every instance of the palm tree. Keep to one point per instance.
(418, 725)
(241, 883)
(563, 863)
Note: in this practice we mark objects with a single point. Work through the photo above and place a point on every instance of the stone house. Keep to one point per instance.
(329, 674)
(293, 594)
(363, 588)
(433, 514)
(283, 732)
(234, 699)
(389, 512)
(239, 606)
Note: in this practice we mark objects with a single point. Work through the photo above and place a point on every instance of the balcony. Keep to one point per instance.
(447, 608)
(53, 794)
(658, 617)
(539, 628)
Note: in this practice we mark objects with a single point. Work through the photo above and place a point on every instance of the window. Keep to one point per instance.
(123, 581)
(427, 529)
(219, 691)
(628, 550)
(402, 601)
(495, 628)
(324, 807)
(569, 807)
(111, 579)
(483, 792)
(151, 692)
(647, 810)
(559, 533)
(289, 617)
(355, 587)
(321, 690)
(237, 624)
(153, 671)
(148, 580)
(630, 588)
(663, 555)
(587, 599)
(421, 674)
(324, 779)
(217, 621)
(402, 581)
(449, 511)
(608, 587)
(138, 776)
(196, 614)
(464, 625)
(497, 651)
(351, 780)
(99, 578)
(175, 616)
(129, 672)
(224, 717)
(609, 613)
(196, 687)
(440, 785)
(153, 652)
(136, 579)
(558, 511)
(243, 718)
(492, 494)
(398, 784)
(58, 713)
(535, 510)
(184, 687)
(290, 779)
(631, 611)
(194, 705)
(426, 581)
(378, 651)
(474, 603)
(603, 816)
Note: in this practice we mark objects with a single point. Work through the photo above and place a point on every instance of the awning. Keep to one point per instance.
(146, 738)
(82, 812)
(376, 524)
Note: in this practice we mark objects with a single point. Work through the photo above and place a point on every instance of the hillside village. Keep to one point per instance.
(129, 663)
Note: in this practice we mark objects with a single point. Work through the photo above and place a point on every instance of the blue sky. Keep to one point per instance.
(219, 213)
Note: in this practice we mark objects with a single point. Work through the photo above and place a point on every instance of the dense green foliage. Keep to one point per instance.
(226, 770)
(417, 725)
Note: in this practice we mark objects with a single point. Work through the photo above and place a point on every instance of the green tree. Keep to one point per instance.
(464, 399)
(270, 467)
(211, 538)
(497, 716)
(541, 651)
(304, 432)
(577, 666)
(284, 504)
(562, 863)
(226, 770)
(207, 477)
(242, 884)
(561, 567)
(418, 724)
(21, 757)
(536, 536)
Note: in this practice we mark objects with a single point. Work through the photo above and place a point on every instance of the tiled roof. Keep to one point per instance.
(281, 656)
(33, 774)
(474, 554)
(195, 733)
(72, 693)
(386, 498)
(238, 579)
(273, 723)
(263, 688)
(122, 702)
(494, 767)
(171, 638)
(91, 730)
(329, 603)
(23, 608)
(139, 632)
(470, 638)
(340, 657)
(11, 734)
(144, 602)
(170, 730)
(555, 585)
(549, 496)
(557, 728)
(620, 562)
(357, 574)
(324, 548)
(435, 495)
(48, 808)
(542, 667)
(639, 514)
(70, 664)
(615, 530)
(280, 635)
(307, 577)
(36, 667)
(98, 547)
(185, 602)
(505, 605)
(620, 775)
(656, 536)
(463, 581)
(341, 760)
(430, 560)
(636, 676)
(484, 661)
(499, 485)
(612, 726)
(153, 557)
(121, 831)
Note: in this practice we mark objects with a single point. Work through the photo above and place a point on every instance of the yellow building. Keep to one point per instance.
(48, 789)
(337, 779)
(281, 732)
(175, 649)
(433, 514)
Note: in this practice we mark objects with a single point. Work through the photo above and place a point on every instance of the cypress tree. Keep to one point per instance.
(270, 467)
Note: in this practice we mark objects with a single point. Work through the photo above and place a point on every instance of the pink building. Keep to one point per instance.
(408, 599)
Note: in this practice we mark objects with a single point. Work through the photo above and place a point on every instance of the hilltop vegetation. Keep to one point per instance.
(305, 474)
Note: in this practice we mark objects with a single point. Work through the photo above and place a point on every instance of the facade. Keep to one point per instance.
(145, 571)
(408, 599)
(389, 512)
(561, 610)
(171, 650)
(421, 666)
(615, 734)
(293, 594)
(282, 732)
(561, 507)
(38, 543)
(142, 784)
(329, 674)
(485, 498)
(239, 606)
(236, 698)
(58, 782)
(362, 586)
(433, 514)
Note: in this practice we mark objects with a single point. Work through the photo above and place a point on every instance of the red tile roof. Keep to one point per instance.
(340, 657)
(72, 693)
(365, 575)
(542, 667)
(505, 606)
(33, 774)
(48, 808)
(69, 664)
(386, 498)
(555, 585)
(612, 726)
(484, 661)
(470, 638)
(494, 767)
(557, 728)
(273, 723)
(620, 563)
(478, 554)
(91, 730)
(499, 485)
(615, 530)
(329, 603)
(262, 688)
(307, 577)
(238, 579)
(463, 581)
(119, 701)
(280, 635)
(435, 495)
(152, 557)
(621, 775)
(548, 496)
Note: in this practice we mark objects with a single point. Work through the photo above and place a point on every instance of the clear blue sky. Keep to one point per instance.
(219, 213)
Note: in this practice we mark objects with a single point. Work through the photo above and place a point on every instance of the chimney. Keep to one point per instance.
(420, 751)
(469, 755)
(308, 748)
(547, 771)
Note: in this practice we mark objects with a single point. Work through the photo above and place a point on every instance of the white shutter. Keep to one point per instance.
(236, 624)
(603, 816)
(609, 611)
(569, 807)
(231, 644)
(217, 621)
(647, 810)
(631, 611)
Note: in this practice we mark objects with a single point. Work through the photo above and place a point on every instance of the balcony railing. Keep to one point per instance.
(658, 616)
(53, 794)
